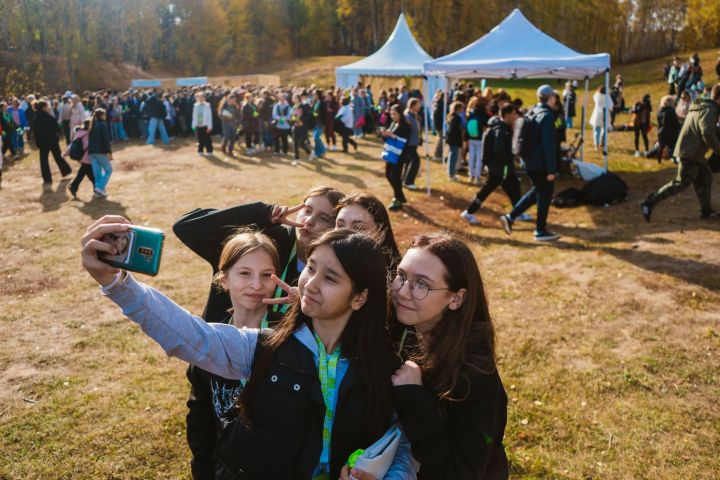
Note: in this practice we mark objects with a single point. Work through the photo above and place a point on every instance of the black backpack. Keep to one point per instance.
(488, 145)
(77, 151)
(606, 189)
(568, 198)
(527, 138)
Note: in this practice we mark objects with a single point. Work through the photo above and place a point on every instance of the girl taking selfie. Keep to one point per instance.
(318, 385)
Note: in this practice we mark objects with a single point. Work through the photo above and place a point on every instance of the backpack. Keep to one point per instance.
(473, 128)
(568, 198)
(77, 151)
(529, 132)
(606, 189)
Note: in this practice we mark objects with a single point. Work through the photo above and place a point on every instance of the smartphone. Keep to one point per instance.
(140, 250)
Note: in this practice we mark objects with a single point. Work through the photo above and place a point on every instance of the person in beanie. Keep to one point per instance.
(541, 165)
(698, 134)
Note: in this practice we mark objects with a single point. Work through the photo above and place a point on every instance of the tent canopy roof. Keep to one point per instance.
(400, 56)
(516, 48)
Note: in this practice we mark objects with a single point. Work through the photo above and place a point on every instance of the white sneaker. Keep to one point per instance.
(410, 186)
(312, 157)
(637, 153)
(471, 218)
(101, 193)
(295, 163)
(454, 178)
(333, 148)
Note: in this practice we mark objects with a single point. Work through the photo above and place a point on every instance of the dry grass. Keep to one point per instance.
(609, 339)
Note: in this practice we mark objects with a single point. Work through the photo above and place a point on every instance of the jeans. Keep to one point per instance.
(18, 138)
(475, 161)
(317, 138)
(155, 124)
(598, 136)
(569, 122)
(540, 193)
(453, 160)
(229, 130)
(266, 135)
(412, 166)
(102, 169)
(118, 131)
(143, 127)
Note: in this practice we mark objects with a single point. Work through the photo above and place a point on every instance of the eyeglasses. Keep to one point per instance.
(419, 289)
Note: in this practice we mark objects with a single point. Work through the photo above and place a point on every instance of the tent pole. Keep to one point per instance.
(427, 139)
(584, 119)
(445, 107)
(605, 119)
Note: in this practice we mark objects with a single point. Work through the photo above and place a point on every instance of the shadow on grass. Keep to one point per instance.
(97, 207)
(52, 199)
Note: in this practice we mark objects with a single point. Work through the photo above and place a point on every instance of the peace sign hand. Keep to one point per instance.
(292, 293)
(280, 212)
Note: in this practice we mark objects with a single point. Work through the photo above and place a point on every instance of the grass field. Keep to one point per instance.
(609, 340)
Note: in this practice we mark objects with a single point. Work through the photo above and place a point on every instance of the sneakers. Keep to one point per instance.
(637, 153)
(646, 210)
(333, 148)
(295, 163)
(471, 218)
(507, 223)
(73, 191)
(410, 186)
(100, 193)
(546, 236)
(395, 205)
(312, 157)
(454, 178)
(525, 217)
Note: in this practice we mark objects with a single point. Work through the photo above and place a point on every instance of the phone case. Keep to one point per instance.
(140, 251)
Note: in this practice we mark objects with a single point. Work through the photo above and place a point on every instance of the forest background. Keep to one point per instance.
(45, 43)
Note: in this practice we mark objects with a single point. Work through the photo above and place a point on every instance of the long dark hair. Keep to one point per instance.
(462, 344)
(377, 210)
(364, 341)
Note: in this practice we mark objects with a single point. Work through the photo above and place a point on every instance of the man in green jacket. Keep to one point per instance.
(698, 135)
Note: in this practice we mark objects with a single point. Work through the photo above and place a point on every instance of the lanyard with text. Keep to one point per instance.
(278, 290)
(327, 370)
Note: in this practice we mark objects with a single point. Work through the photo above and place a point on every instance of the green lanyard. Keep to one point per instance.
(278, 290)
(327, 370)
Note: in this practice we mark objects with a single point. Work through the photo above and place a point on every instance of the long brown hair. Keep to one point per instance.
(463, 342)
(332, 194)
(377, 210)
(364, 341)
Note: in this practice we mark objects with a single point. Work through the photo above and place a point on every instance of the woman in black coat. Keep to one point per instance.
(448, 394)
(399, 128)
(668, 127)
(47, 133)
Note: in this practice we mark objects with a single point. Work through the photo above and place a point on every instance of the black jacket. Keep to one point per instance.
(210, 409)
(668, 126)
(46, 130)
(154, 107)
(288, 413)
(456, 440)
(543, 152)
(455, 131)
(99, 139)
(205, 230)
(250, 122)
(497, 145)
(402, 130)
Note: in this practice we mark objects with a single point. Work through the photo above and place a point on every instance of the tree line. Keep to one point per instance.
(205, 37)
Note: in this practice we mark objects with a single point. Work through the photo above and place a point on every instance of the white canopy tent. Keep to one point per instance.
(515, 48)
(401, 56)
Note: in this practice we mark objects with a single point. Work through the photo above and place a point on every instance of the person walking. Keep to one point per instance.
(343, 124)
(412, 165)
(399, 129)
(85, 170)
(541, 163)
(100, 152)
(499, 158)
(698, 135)
(202, 124)
(155, 110)
(46, 130)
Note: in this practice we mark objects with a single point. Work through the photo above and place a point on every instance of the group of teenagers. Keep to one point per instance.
(318, 337)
